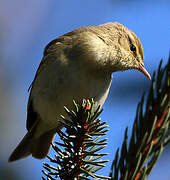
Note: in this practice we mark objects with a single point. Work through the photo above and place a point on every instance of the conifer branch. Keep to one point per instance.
(149, 134)
(78, 156)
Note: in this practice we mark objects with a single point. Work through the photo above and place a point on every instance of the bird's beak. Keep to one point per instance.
(143, 70)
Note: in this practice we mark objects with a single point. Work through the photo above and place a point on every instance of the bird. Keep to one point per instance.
(75, 66)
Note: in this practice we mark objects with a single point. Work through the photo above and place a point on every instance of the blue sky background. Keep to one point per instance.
(27, 26)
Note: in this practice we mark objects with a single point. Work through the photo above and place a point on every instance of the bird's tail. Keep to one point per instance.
(38, 147)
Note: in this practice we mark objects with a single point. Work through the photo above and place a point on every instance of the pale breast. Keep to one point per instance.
(56, 87)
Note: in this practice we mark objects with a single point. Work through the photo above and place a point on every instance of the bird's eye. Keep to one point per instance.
(133, 48)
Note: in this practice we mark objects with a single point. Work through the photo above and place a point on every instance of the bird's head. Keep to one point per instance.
(125, 49)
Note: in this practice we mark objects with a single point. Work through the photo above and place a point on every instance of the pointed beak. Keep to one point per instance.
(143, 70)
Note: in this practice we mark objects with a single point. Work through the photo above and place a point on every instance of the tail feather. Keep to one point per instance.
(41, 146)
(38, 147)
(23, 149)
